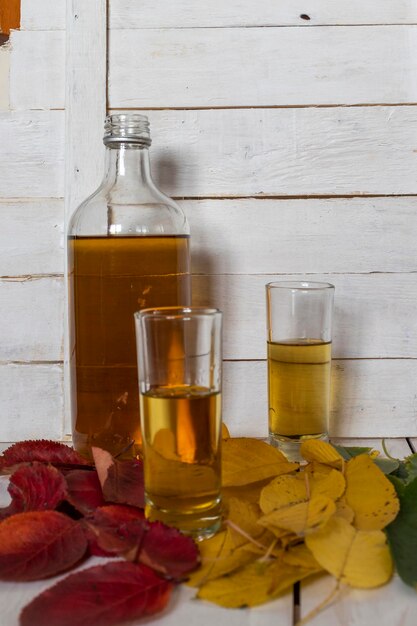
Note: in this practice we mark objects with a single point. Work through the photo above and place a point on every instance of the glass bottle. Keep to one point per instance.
(128, 249)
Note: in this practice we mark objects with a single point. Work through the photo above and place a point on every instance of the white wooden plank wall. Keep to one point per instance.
(31, 249)
(292, 145)
(50, 14)
(293, 152)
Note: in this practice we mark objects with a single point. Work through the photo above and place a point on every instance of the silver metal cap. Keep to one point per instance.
(126, 128)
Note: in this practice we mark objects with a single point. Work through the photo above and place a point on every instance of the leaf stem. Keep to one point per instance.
(268, 553)
(323, 604)
(387, 454)
(244, 534)
(307, 482)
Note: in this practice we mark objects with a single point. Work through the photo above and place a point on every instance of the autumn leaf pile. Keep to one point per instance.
(344, 512)
(338, 513)
(64, 510)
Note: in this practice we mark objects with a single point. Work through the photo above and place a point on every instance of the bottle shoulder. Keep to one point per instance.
(110, 211)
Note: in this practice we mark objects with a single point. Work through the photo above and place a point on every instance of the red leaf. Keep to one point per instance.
(43, 451)
(35, 487)
(39, 544)
(104, 595)
(121, 481)
(84, 490)
(115, 530)
(168, 551)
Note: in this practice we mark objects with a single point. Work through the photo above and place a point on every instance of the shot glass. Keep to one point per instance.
(179, 363)
(299, 334)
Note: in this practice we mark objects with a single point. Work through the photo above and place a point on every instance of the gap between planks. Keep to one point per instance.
(235, 107)
(257, 106)
(355, 105)
(305, 24)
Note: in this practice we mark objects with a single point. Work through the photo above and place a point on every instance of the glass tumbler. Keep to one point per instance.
(179, 362)
(299, 332)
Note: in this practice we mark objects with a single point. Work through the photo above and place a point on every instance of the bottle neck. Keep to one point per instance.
(128, 167)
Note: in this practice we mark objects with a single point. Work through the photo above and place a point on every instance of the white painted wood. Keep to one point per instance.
(31, 402)
(288, 152)
(85, 101)
(4, 77)
(44, 15)
(371, 398)
(37, 70)
(31, 237)
(31, 312)
(224, 152)
(248, 236)
(394, 604)
(413, 442)
(374, 398)
(50, 14)
(217, 67)
(31, 154)
(185, 14)
(181, 609)
(375, 314)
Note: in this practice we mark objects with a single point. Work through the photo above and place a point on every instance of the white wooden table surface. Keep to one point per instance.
(394, 604)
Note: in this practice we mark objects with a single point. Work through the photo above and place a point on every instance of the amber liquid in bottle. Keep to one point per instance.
(181, 438)
(110, 279)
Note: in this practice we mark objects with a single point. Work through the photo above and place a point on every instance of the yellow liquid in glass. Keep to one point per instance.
(181, 428)
(299, 388)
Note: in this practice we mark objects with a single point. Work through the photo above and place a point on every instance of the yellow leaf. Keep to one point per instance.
(370, 494)
(358, 558)
(286, 490)
(281, 492)
(243, 516)
(331, 484)
(254, 584)
(219, 556)
(227, 550)
(344, 510)
(225, 431)
(303, 517)
(246, 460)
(321, 452)
(249, 493)
(300, 556)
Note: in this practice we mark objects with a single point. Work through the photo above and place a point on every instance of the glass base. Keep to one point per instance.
(199, 525)
(290, 446)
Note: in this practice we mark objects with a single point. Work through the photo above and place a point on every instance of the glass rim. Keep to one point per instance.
(299, 285)
(176, 312)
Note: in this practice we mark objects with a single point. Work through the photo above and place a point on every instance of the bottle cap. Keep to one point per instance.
(126, 128)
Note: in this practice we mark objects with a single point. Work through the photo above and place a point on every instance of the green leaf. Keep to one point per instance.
(402, 532)
(387, 465)
(401, 472)
(407, 469)
(348, 452)
(411, 467)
